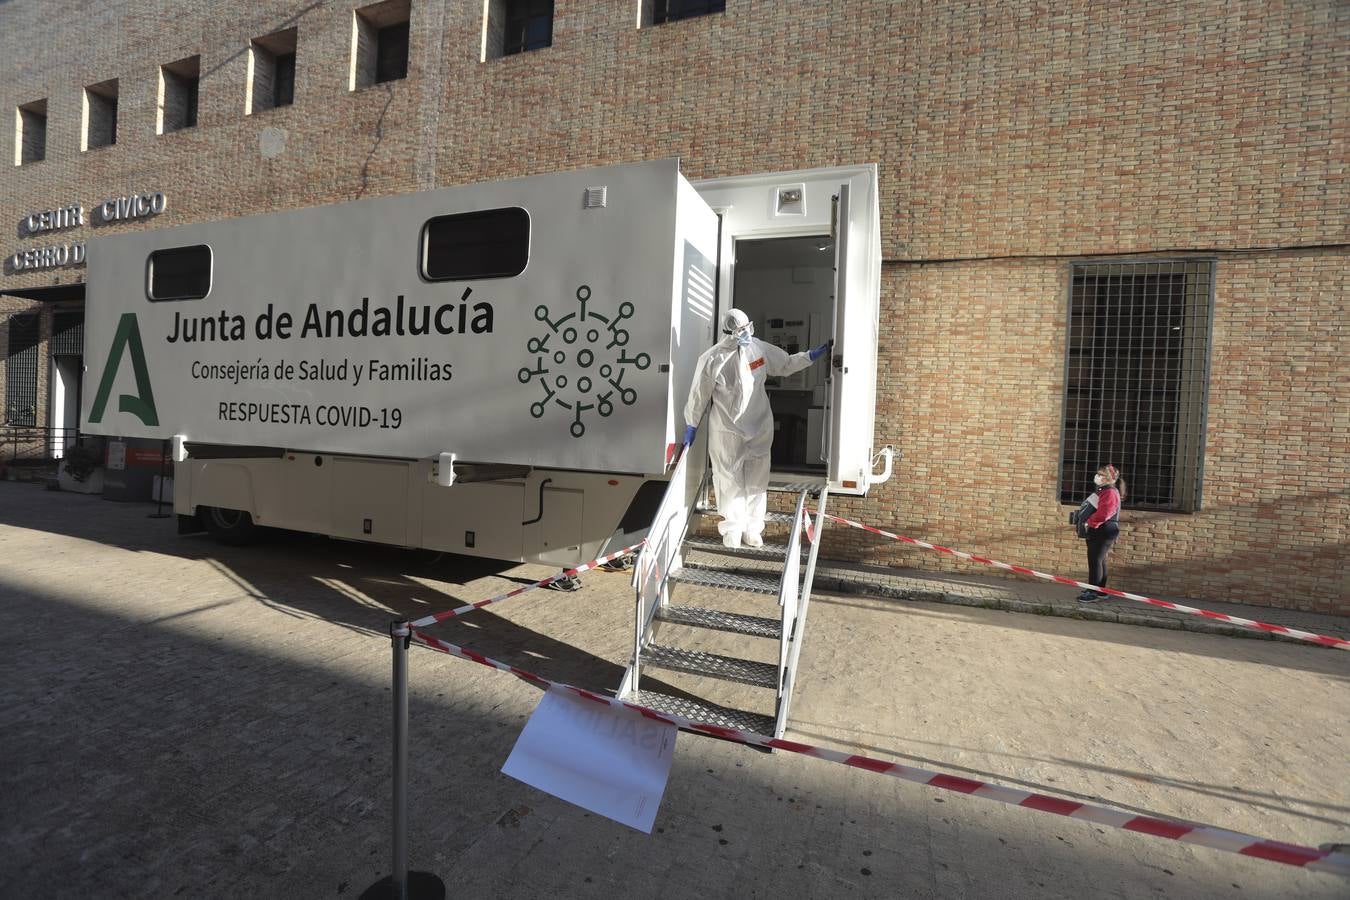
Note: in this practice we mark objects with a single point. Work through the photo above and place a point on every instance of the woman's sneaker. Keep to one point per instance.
(1090, 597)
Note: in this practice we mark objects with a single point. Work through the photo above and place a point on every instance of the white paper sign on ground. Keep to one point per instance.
(610, 761)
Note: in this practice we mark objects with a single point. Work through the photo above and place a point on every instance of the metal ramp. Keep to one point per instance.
(706, 611)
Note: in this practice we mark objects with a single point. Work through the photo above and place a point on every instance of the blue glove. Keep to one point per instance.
(817, 352)
(689, 431)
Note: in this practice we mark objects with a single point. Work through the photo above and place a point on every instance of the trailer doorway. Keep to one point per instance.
(786, 286)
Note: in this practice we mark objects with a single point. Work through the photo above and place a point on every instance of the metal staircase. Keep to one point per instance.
(727, 607)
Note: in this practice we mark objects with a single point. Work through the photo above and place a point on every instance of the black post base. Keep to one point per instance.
(421, 886)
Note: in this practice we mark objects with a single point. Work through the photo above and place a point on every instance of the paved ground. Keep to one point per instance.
(1028, 595)
(184, 719)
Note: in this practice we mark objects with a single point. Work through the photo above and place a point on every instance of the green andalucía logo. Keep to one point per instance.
(142, 404)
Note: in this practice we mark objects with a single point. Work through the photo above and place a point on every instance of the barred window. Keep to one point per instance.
(21, 370)
(1137, 379)
(67, 334)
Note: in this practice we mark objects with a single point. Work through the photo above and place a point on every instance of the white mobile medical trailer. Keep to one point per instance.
(496, 369)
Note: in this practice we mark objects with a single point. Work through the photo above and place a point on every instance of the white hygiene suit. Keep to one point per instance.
(740, 426)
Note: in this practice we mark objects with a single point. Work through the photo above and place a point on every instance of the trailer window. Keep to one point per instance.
(492, 243)
(180, 273)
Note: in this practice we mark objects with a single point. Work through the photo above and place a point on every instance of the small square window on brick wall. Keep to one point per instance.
(100, 115)
(30, 132)
(380, 42)
(659, 12)
(178, 83)
(271, 72)
(517, 26)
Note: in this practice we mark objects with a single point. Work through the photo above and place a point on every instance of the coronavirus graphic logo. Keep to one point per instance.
(581, 360)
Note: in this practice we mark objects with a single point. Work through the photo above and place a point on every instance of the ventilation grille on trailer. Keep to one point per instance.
(597, 197)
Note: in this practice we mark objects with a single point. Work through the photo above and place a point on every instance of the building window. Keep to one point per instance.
(100, 115)
(663, 11)
(1137, 378)
(179, 273)
(380, 35)
(283, 89)
(271, 72)
(21, 369)
(178, 94)
(515, 26)
(30, 133)
(67, 334)
(492, 243)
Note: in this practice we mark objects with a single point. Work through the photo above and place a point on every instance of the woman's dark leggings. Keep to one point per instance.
(1099, 546)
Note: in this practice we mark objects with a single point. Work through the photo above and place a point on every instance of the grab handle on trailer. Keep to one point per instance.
(887, 454)
(541, 503)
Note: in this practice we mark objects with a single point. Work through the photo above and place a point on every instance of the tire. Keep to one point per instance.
(229, 526)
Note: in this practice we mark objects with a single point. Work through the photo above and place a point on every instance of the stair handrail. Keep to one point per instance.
(652, 568)
(789, 601)
(799, 630)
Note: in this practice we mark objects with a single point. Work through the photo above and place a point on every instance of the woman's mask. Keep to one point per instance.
(743, 336)
(1099, 480)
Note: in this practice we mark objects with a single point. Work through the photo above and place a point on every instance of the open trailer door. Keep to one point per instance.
(852, 371)
(801, 255)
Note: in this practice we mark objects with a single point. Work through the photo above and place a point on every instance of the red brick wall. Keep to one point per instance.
(1012, 129)
(971, 392)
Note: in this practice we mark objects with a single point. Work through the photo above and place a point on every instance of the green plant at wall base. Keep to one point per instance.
(81, 460)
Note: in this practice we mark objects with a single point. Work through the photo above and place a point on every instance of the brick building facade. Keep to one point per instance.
(1017, 142)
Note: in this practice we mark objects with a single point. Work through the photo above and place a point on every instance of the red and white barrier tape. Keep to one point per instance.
(566, 573)
(808, 525)
(1186, 832)
(1323, 639)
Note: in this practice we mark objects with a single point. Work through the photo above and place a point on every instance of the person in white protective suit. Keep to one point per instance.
(730, 375)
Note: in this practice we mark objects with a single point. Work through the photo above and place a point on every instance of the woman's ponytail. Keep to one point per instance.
(1113, 474)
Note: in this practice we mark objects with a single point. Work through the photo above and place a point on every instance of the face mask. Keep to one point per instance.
(1099, 480)
(743, 337)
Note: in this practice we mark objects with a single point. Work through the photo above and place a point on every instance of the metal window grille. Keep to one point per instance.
(1137, 380)
(67, 334)
(529, 26)
(671, 10)
(21, 370)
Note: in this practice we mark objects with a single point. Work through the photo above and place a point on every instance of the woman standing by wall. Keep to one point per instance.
(1098, 521)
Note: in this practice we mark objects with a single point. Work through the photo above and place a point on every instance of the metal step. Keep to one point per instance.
(775, 552)
(810, 485)
(718, 620)
(692, 573)
(770, 516)
(708, 713)
(745, 671)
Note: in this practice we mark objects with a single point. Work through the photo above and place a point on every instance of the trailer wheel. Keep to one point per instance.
(229, 526)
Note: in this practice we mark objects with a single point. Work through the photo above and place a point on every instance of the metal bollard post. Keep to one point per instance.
(402, 884)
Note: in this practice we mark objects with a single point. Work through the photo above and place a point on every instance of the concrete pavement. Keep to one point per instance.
(185, 719)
